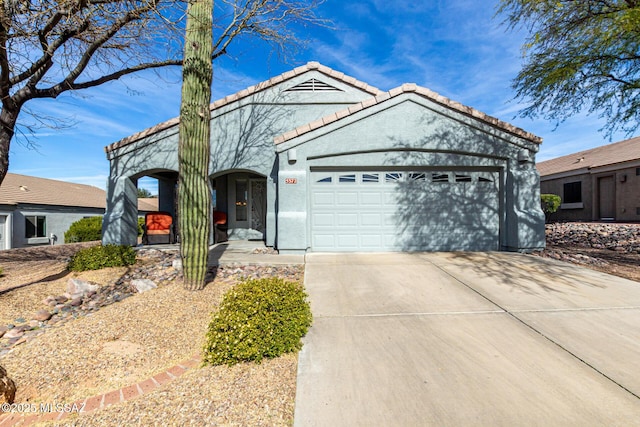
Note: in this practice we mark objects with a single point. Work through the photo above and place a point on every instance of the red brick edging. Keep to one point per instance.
(101, 401)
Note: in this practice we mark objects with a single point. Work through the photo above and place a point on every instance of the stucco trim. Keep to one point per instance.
(244, 93)
(424, 92)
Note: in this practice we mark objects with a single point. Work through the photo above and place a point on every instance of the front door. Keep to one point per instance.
(607, 197)
(247, 206)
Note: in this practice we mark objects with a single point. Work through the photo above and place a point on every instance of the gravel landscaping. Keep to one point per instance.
(608, 247)
(112, 336)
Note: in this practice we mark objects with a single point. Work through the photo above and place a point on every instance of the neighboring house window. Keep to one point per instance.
(35, 226)
(637, 171)
(572, 192)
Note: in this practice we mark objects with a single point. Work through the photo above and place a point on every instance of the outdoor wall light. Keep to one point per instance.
(292, 155)
(523, 156)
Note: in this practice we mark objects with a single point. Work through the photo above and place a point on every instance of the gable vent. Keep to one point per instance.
(313, 85)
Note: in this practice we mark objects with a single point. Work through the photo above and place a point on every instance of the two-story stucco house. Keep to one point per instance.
(313, 160)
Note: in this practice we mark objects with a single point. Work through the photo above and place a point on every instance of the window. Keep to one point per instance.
(347, 178)
(35, 226)
(439, 177)
(572, 192)
(637, 171)
(241, 200)
(392, 176)
(370, 177)
(325, 180)
(417, 176)
(463, 178)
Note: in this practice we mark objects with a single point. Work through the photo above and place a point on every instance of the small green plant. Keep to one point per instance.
(140, 226)
(84, 230)
(97, 257)
(550, 204)
(258, 318)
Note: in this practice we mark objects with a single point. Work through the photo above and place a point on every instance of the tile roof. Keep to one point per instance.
(147, 203)
(23, 189)
(409, 88)
(248, 92)
(42, 191)
(604, 155)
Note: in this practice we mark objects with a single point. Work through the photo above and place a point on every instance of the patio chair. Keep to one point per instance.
(220, 227)
(158, 228)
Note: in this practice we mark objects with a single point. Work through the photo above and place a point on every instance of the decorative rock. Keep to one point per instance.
(14, 333)
(80, 287)
(42, 315)
(7, 387)
(61, 299)
(143, 285)
(48, 300)
(34, 323)
(76, 302)
(177, 264)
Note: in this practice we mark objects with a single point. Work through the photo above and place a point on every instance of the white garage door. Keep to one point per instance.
(404, 211)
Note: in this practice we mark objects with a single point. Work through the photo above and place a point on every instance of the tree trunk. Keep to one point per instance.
(194, 197)
(8, 121)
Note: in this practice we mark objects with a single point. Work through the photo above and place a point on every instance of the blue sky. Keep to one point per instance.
(456, 48)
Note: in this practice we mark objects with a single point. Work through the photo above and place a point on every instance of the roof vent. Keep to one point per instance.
(313, 85)
(23, 188)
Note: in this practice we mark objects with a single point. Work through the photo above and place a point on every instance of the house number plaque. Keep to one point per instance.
(291, 180)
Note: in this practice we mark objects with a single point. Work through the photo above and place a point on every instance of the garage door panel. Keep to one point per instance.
(347, 241)
(370, 241)
(324, 198)
(323, 219)
(324, 241)
(347, 219)
(347, 198)
(368, 198)
(371, 220)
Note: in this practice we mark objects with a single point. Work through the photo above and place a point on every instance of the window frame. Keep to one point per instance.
(577, 190)
(35, 226)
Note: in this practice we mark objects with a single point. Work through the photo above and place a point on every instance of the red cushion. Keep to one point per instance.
(158, 221)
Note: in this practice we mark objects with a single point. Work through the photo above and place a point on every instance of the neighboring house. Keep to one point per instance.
(38, 211)
(598, 184)
(313, 160)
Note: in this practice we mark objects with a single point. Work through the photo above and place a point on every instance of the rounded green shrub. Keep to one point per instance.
(97, 257)
(84, 230)
(550, 204)
(258, 318)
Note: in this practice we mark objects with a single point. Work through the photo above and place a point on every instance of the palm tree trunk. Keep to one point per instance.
(194, 197)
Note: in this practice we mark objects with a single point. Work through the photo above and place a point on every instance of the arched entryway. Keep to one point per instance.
(242, 196)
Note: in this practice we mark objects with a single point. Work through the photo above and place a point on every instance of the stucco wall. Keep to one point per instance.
(627, 194)
(242, 136)
(571, 212)
(58, 221)
(412, 132)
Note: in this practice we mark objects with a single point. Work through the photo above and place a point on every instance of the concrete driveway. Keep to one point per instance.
(460, 339)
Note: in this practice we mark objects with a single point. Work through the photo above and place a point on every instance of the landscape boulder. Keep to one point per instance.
(77, 287)
(7, 387)
(143, 285)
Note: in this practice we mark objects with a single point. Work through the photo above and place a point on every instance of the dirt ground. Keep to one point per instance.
(625, 265)
(130, 341)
